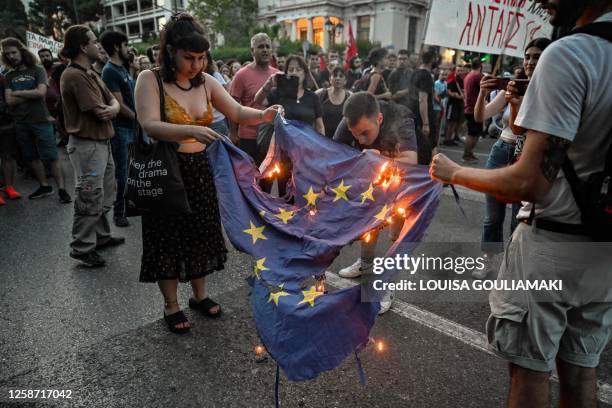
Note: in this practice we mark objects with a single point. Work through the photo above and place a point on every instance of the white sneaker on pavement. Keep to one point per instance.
(353, 271)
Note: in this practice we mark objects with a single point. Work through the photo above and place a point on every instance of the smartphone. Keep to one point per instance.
(500, 82)
(287, 86)
(521, 85)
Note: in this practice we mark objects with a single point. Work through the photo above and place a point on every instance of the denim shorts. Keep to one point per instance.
(37, 141)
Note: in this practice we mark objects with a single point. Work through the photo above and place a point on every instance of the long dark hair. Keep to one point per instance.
(540, 43)
(183, 32)
(27, 58)
(377, 55)
(74, 38)
(302, 63)
(210, 70)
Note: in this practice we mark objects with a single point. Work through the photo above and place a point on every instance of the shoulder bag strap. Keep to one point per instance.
(603, 30)
(162, 98)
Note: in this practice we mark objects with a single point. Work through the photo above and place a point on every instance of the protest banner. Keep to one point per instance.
(486, 26)
(37, 42)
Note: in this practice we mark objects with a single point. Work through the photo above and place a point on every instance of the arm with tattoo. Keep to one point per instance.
(553, 157)
(529, 179)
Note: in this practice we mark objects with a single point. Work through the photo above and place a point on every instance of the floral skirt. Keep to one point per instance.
(188, 246)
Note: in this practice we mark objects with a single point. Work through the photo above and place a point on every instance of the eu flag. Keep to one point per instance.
(338, 195)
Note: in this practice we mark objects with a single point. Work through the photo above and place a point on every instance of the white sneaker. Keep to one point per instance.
(352, 271)
(385, 303)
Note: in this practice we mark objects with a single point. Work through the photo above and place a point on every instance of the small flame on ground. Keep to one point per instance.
(367, 237)
(259, 349)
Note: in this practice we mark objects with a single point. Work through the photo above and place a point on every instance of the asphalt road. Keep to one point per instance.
(99, 333)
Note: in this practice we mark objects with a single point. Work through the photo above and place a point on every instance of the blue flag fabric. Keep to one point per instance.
(337, 199)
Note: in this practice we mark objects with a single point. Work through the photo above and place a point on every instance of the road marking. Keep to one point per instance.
(447, 327)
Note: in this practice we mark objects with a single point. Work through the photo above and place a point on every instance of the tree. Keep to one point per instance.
(13, 19)
(232, 18)
(52, 17)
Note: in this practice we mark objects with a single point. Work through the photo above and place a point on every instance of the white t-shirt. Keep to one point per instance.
(570, 97)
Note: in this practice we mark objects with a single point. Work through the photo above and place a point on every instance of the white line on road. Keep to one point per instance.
(447, 327)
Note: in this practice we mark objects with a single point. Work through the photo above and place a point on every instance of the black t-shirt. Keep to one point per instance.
(306, 109)
(397, 132)
(332, 114)
(455, 87)
(5, 118)
(422, 81)
(386, 74)
(399, 80)
(351, 77)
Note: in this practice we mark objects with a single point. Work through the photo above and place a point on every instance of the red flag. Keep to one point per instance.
(351, 48)
(322, 64)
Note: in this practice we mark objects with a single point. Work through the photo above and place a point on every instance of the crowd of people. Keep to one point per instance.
(400, 105)
(33, 109)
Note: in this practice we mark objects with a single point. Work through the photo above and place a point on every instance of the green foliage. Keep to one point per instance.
(13, 19)
(365, 46)
(234, 18)
(141, 47)
(337, 47)
(242, 54)
(287, 47)
(52, 17)
(271, 30)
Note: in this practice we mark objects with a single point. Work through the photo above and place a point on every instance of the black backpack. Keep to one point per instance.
(594, 196)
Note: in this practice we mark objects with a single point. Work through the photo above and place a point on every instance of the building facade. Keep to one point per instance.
(396, 24)
(139, 19)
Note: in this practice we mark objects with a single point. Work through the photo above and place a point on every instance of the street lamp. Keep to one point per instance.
(328, 26)
(333, 30)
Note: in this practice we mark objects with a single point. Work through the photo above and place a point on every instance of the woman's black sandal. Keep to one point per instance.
(205, 306)
(174, 320)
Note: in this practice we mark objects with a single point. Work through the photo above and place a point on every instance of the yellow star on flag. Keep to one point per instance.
(259, 267)
(311, 197)
(341, 191)
(255, 232)
(275, 296)
(262, 213)
(285, 215)
(310, 295)
(382, 215)
(367, 195)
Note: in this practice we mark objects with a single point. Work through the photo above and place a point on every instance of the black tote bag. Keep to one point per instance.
(155, 184)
